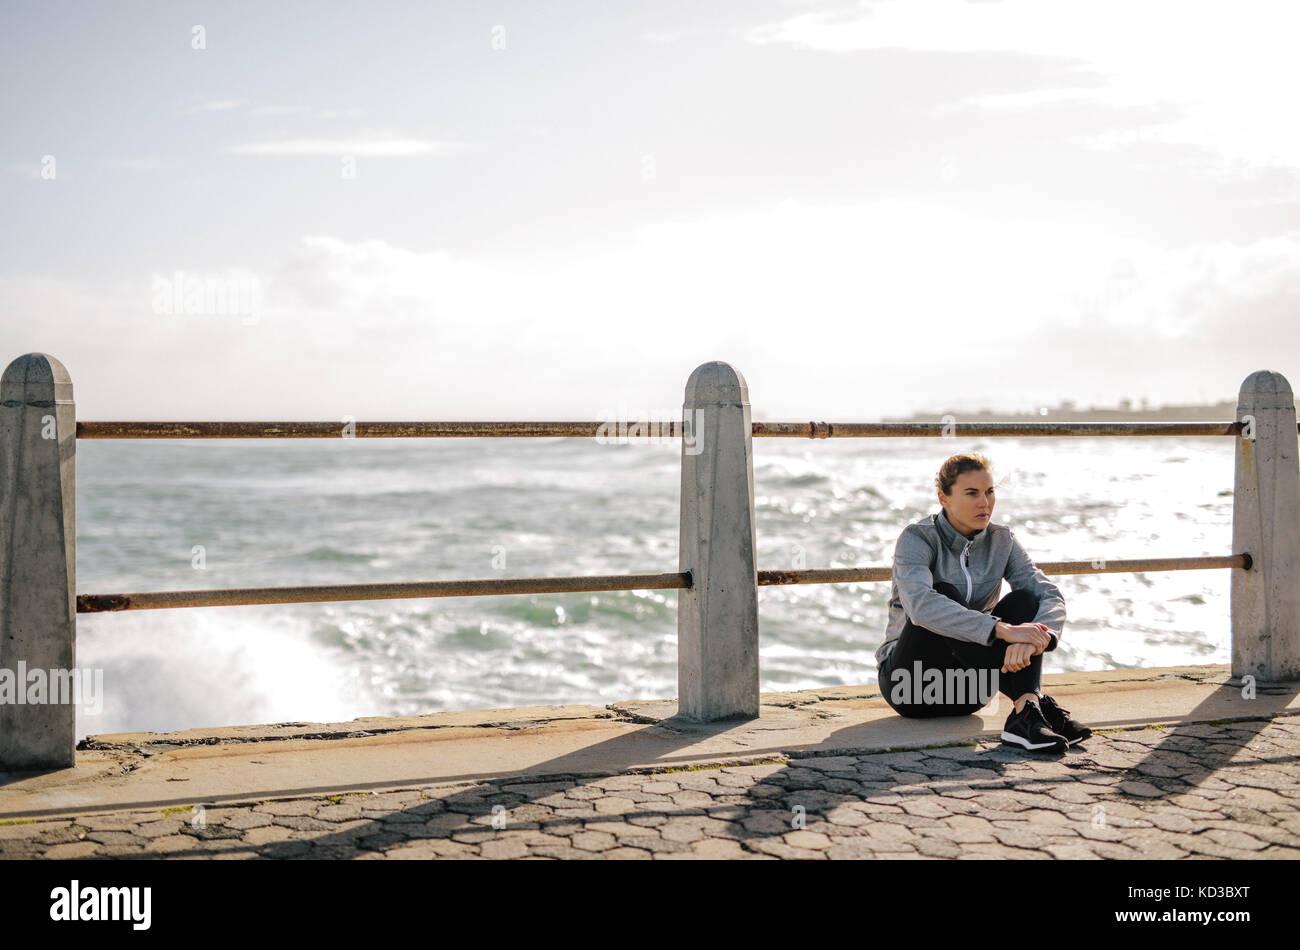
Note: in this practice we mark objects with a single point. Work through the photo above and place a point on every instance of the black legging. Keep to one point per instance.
(937, 652)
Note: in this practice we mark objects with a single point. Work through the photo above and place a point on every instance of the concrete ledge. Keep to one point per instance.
(304, 759)
(519, 717)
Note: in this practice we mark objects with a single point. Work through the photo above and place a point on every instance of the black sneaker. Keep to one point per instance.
(1029, 730)
(1060, 721)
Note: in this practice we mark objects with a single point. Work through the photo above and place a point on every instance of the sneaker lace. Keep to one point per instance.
(1062, 714)
(1032, 713)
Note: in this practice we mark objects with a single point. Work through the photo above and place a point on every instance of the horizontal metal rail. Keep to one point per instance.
(97, 603)
(636, 430)
(157, 600)
(859, 430)
(851, 575)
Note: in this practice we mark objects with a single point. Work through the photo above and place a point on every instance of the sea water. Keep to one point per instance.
(157, 515)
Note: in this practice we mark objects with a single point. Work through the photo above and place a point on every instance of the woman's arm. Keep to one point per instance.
(1023, 575)
(924, 605)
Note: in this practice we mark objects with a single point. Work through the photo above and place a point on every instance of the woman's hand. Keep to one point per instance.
(1033, 634)
(1018, 656)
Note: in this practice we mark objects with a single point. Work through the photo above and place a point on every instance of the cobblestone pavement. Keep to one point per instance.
(1229, 790)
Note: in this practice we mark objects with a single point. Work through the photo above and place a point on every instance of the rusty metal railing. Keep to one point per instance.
(156, 600)
(630, 429)
(635, 430)
(487, 587)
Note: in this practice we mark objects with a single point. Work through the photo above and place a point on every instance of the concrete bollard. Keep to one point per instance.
(1266, 525)
(38, 558)
(717, 618)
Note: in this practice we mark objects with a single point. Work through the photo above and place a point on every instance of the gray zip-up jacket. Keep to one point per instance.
(932, 550)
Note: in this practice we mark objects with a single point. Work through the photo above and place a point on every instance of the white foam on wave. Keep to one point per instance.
(214, 666)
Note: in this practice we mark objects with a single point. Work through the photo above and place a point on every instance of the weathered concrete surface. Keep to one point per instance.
(1195, 786)
(1266, 507)
(38, 556)
(717, 616)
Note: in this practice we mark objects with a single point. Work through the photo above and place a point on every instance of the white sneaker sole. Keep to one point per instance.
(1025, 743)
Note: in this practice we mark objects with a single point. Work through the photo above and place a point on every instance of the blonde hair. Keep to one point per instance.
(953, 468)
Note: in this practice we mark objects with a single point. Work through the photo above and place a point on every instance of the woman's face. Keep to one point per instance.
(970, 506)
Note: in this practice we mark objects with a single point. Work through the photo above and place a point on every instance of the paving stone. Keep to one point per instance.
(927, 808)
(564, 853)
(807, 840)
(503, 849)
(589, 792)
(970, 829)
(245, 818)
(848, 817)
(1266, 800)
(1163, 796)
(828, 763)
(938, 848)
(30, 829)
(768, 822)
(580, 812)
(1194, 802)
(133, 849)
(616, 782)
(436, 848)
(1002, 852)
(717, 848)
(594, 841)
(1017, 837)
(156, 829)
(780, 849)
(297, 807)
(75, 849)
(1154, 848)
(855, 849)
(95, 822)
(110, 838)
(1233, 839)
(267, 835)
(340, 812)
(1073, 852)
(726, 780)
(708, 825)
(528, 813)
(1173, 820)
(614, 805)
(679, 831)
(623, 829)
(755, 772)
(692, 798)
(304, 823)
(169, 844)
(1115, 850)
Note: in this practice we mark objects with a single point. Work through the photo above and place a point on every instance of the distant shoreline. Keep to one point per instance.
(1223, 411)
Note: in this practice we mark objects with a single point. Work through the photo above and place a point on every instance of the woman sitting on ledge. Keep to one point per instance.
(942, 634)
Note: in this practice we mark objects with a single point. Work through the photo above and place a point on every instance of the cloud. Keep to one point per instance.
(1230, 73)
(219, 105)
(144, 164)
(375, 147)
(668, 37)
(277, 110)
(837, 311)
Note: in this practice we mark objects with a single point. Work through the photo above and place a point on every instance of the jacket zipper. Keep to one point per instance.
(965, 552)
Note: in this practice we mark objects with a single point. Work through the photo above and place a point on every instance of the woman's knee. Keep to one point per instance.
(1019, 606)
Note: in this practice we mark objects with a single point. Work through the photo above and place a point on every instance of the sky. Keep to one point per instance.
(501, 210)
